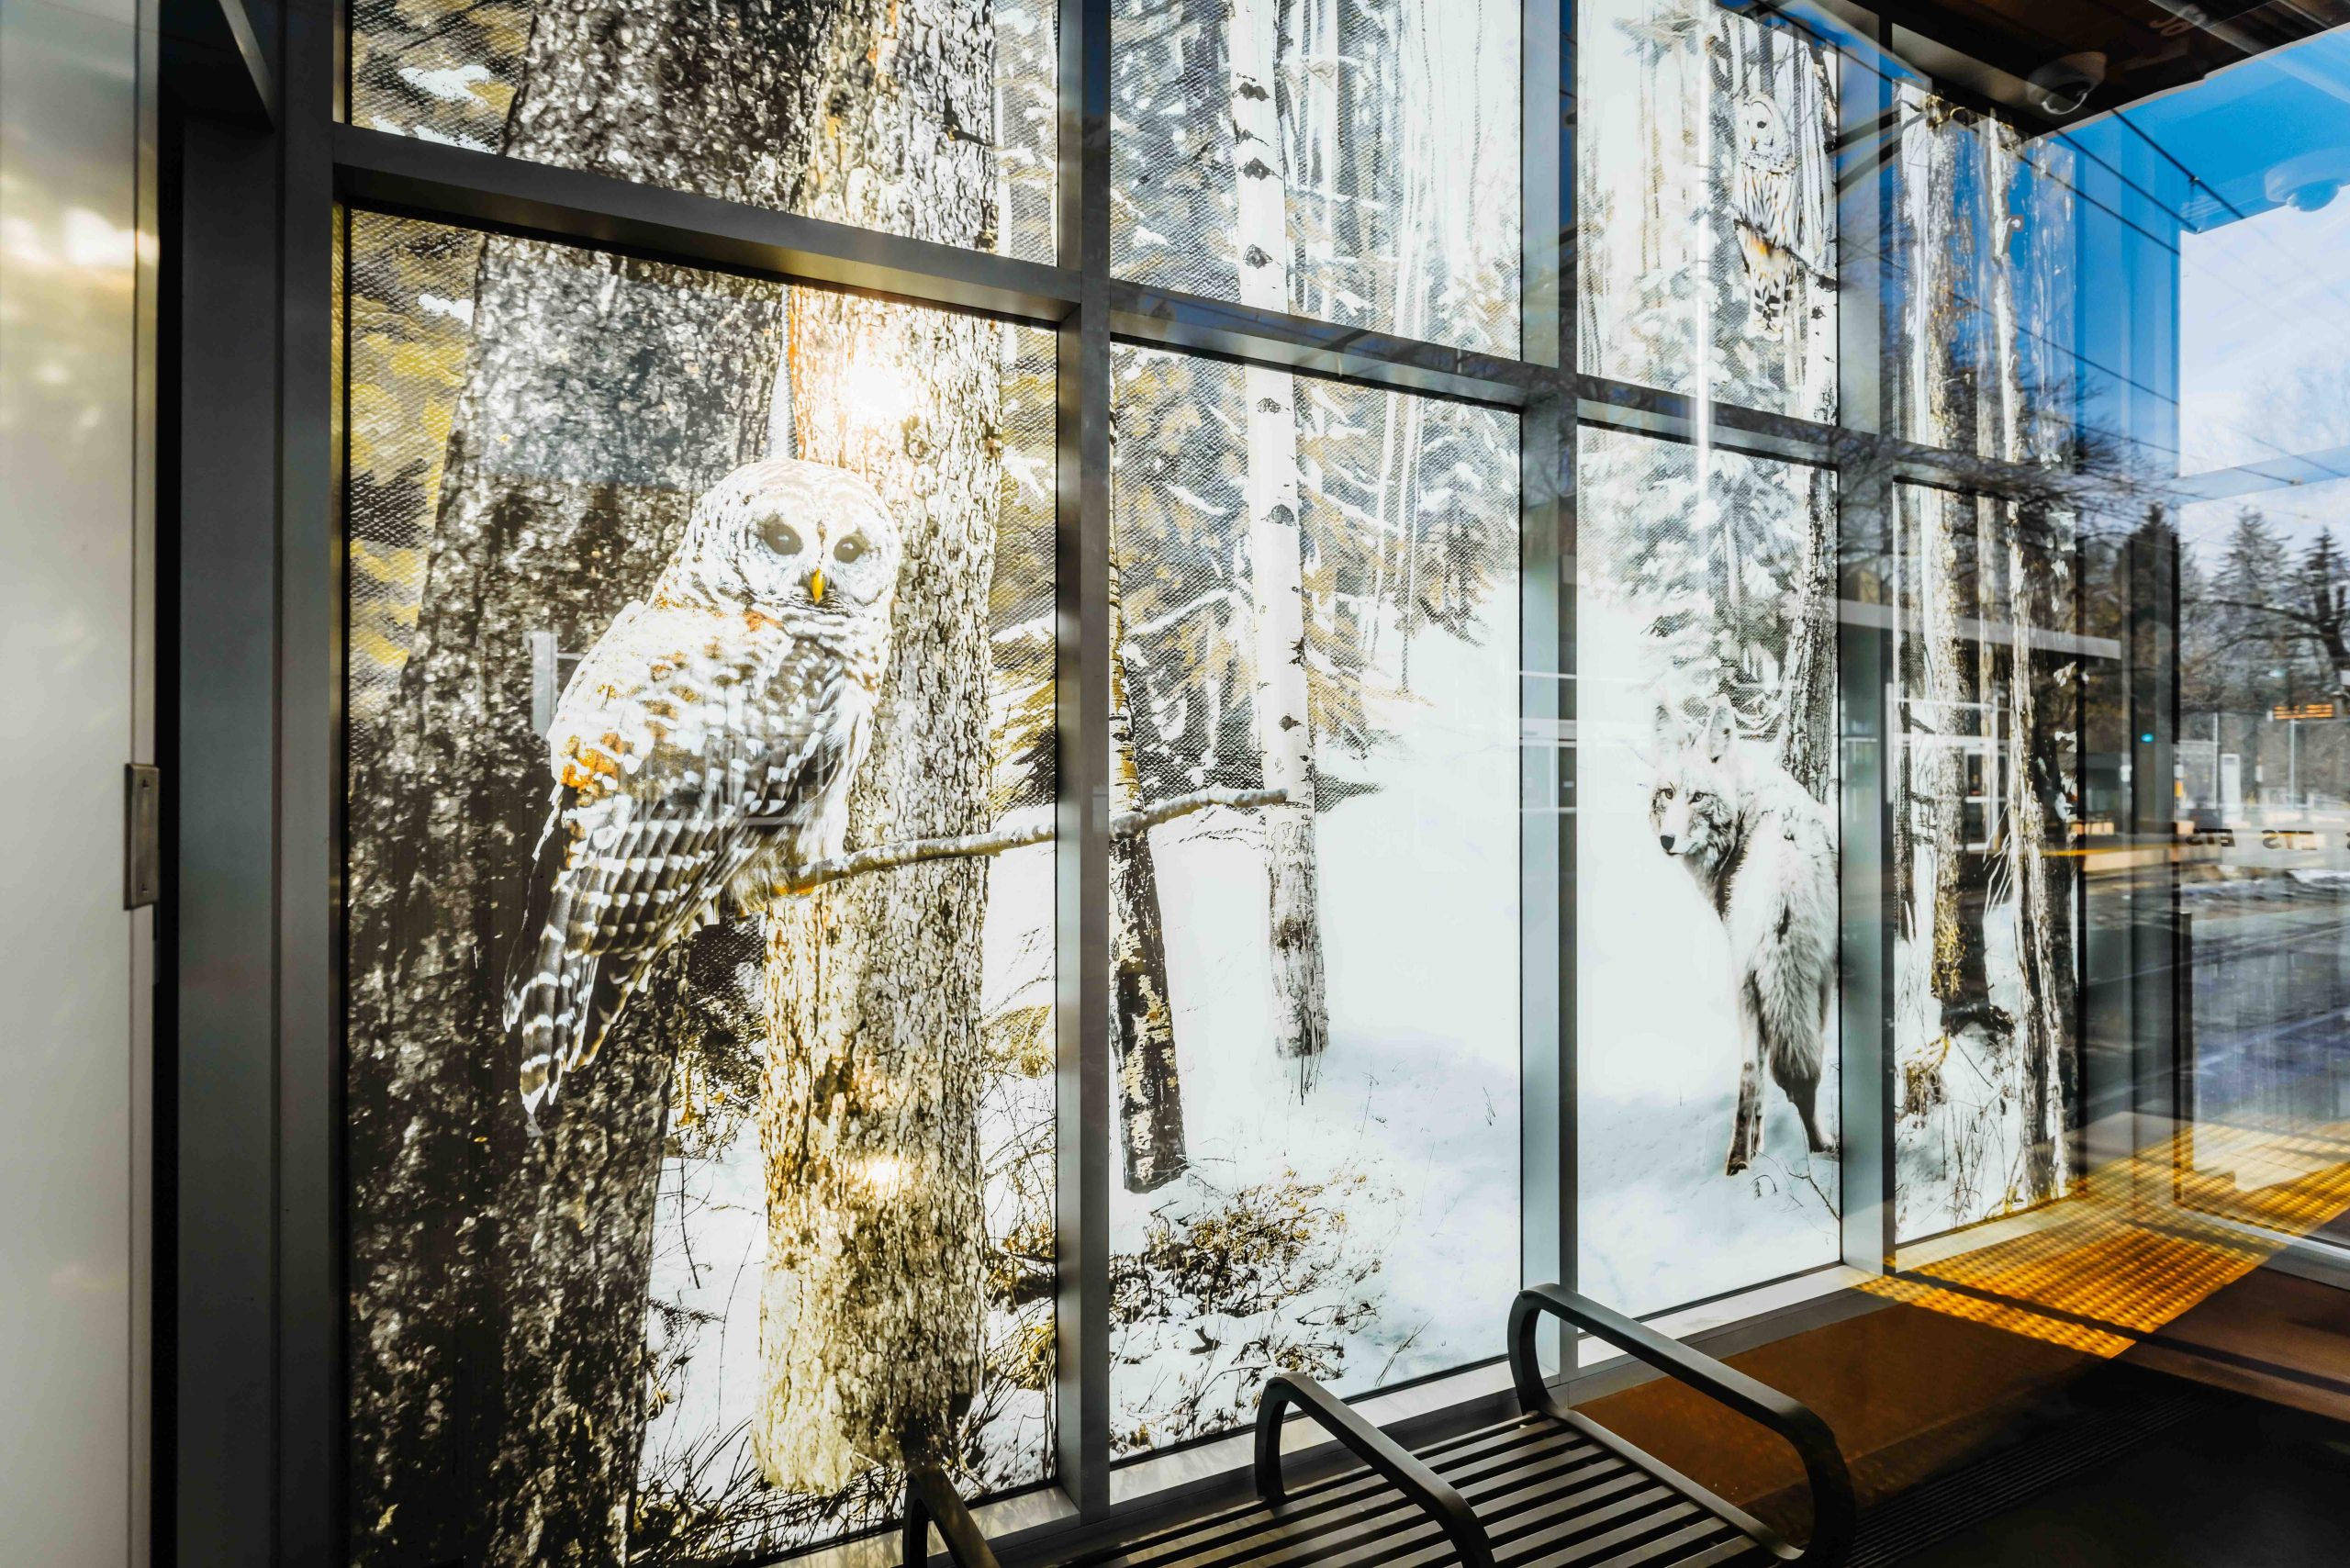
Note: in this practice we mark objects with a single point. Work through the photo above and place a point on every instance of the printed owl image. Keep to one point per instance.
(706, 742)
(1762, 203)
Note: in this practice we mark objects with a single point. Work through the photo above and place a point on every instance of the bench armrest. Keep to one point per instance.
(931, 1499)
(1374, 1447)
(1823, 1463)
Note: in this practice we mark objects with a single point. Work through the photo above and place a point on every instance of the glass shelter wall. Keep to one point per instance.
(1013, 753)
(1317, 1076)
(641, 651)
(2261, 780)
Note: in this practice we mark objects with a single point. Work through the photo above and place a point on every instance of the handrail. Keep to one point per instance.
(931, 1499)
(1832, 1508)
(1374, 1447)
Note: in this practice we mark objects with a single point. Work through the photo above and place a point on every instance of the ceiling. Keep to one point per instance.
(2149, 47)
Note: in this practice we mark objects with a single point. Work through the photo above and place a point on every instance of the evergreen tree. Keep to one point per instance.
(2244, 601)
(2318, 615)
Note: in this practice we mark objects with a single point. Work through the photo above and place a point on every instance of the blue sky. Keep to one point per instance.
(2264, 296)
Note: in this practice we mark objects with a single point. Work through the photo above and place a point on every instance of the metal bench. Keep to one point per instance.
(1546, 1488)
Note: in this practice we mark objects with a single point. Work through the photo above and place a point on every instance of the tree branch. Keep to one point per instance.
(1127, 823)
(913, 851)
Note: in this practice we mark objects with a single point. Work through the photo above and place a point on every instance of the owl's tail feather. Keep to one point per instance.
(543, 1009)
(560, 1016)
(561, 1013)
(552, 978)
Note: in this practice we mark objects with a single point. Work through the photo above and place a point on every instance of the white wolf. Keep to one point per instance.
(1762, 853)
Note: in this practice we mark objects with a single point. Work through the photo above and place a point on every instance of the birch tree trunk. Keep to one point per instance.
(2038, 572)
(1276, 554)
(1142, 1020)
(872, 1306)
(1807, 733)
(1977, 414)
(1973, 683)
(1945, 406)
(497, 1283)
(2041, 587)
(1939, 772)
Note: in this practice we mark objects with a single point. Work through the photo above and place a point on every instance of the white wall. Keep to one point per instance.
(76, 694)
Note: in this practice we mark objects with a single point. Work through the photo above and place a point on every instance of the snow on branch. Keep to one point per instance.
(1127, 823)
(913, 851)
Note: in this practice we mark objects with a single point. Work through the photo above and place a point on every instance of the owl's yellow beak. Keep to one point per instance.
(816, 585)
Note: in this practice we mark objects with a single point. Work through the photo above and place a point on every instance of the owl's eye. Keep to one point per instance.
(850, 549)
(781, 536)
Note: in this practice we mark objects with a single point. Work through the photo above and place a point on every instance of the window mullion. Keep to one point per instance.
(1547, 822)
(1082, 713)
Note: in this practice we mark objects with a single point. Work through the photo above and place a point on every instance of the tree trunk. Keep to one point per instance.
(1808, 727)
(1940, 775)
(497, 1282)
(1142, 1020)
(1904, 781)
(2040, 568)
(1974, 683)
(1944, 407)
(872, 1304)
(1276, 555)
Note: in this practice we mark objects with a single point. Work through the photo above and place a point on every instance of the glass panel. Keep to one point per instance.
(667, 1216)
(1707, 201)
(1706, 963)
(1352, 160)
(937, 119)
(1318, 998)
(2264, 747)
(2264, 765)
(2265, 344)
(1984, 880)
(1979, 313)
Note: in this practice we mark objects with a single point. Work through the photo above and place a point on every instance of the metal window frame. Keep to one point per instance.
(288, 794)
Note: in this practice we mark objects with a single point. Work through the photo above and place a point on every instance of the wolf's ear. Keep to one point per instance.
(1721, 732)
(1666, 732)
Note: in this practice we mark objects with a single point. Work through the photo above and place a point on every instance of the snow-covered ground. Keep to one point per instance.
(1418, 1091)
(1961, 1160)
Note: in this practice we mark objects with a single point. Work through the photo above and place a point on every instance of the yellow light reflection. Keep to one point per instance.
(2143, 1241)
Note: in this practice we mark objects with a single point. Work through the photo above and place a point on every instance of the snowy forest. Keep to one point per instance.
(791, 1223)
(1708, 580)
(1708, 213)
(1322, 1054)
(1986, 770)
(655, 1329)
(1317, 595)
(1705, 205)
(620, 1328)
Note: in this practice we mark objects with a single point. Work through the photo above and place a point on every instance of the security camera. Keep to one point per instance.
(2062, 86)
(2310, 181)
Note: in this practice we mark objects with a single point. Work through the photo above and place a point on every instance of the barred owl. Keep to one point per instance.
(1762, 202)
(706, 741)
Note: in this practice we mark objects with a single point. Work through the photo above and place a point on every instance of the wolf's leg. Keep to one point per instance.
(1746, 1125)
(1748, 1122)
(1805, 1095)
